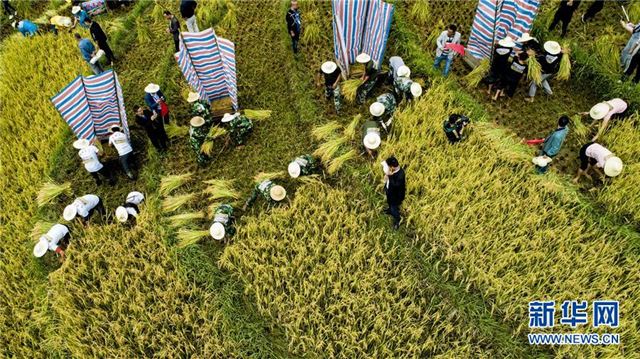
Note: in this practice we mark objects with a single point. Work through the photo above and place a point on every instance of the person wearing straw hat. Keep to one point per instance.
(499, 62)
(55, 240)
(605, 111)
(529, 43)
(270, 191)
(304, 165)
(331, 73)
(25, 27)
(88, 52)
(121, 142)
(197, 135)
(130, 209)
(222, 225)
(154, 98)
(405, 88)
(550, 63)
(369, 77)
(199, 107)
(443, 53)
(79, 16)
(384, 107)
(395, 64)
(239, 127)
(517, 69)
(154, 128)
(395, 188)
(371, 138)
(564, 13)
(98, 35)
(597, 157)
(188, 12)
(83, 207)
(173, 28)
(88, 153)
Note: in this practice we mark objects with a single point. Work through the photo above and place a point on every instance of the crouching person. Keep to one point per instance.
(550, 145)
(88, 153)
(454, 127)
(239, 127)
(382, 110)
(56, 240)
(332, 73)
(120, 141)
(222, 225)
(270, 191)
(129, 211)
(597, 157)
(302, 166)
(371, 138)
(84, 207)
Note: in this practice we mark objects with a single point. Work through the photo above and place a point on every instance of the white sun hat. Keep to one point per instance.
(197, 121)
(14, 24)
(76, 9)
(328, 67)
(599, 111)
(41, 247)
(363, 58)
(121, 214)
(217, 231)
(294, 169)
(507, 42)
(552, 47)
(69, 212)
(376, 109)
(80, 144)
(135, 197)
(541, 161)
(193, 97)
(372, 140)
(277, 193)
(416, 89)
(227, 117)
(613, 166)
(152, 88)
(525, 37)
(404, 71)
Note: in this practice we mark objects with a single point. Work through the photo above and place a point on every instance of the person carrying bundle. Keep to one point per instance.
(199, 107)
(222, 225)
(89, 155)
(129, 210)
(499, 62)
(369, 77)
(454, 127)
(332, 73)
(384, 107)
(56, 240)
(595, 156)
(197, 135)
(83, 207)
(517, 70)
(302, 166)
(120, 141)
(371, 138)
(550, 145)
(605, 111)
(240, 127)
(270, 191)
(550, 62)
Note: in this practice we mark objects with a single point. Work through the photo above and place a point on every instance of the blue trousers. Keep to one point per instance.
(447, 63)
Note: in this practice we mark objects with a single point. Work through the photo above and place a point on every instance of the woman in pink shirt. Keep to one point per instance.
(604, 111)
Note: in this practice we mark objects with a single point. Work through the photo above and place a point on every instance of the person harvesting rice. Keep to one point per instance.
(499, 62)
(605, 111)
(549, 61)
(597, 157)
(239, 127)
(130, 209)
(120, 141)
(197, 135)
(369, 77)
(302, 166)
(84, 207)
(331, 73)
(270, 191)
(199, 107)
(550, 145)
(222, 225)
(55, 240)
(512, 77)
(371, 138)
(89, 155)
(384, 107)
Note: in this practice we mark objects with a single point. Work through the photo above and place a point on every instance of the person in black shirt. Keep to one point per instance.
(154, 128)
(454, 127)
(173, 29)
(564, 14)
(101, 39)
(294, 25)
(8, 9)
(593, 10)
(499, 62)
(395, 189)
(331, 73)
(509, 84)
(188, 12)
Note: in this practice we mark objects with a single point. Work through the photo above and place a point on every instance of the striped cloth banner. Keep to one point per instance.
(481, 38)
(208, 64)
(516, 17)
(360, 26)
(91, 105)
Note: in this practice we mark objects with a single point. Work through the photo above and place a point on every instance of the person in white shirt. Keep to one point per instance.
(89, 155)
(84, 207)
(449, 36)
(594, 155)
(120, 141)
(56, 238)
(129, 210)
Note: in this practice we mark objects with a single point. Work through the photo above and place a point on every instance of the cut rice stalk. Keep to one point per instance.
(474, 77)
(262, 176)
(257, 115)
(51, 191)
(325, 131)
(351, 131)
(329, 149)
(534, 72)
(169, 183)
(189, 237)
(565, 64)
(171, 204)
(339, 161)
(350, 89)
(182, 219)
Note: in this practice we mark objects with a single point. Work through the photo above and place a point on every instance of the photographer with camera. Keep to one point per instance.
(454, 127)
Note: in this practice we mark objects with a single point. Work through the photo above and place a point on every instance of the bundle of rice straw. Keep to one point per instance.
(171, 204)
(329, 149)
(350, 89)
(188, 237)
(51, 191)
(339, 161)
(180, 220)
(214, 132)
(257, 115)
(218, 189)
(535, 70)
(565, 64)
(325, 131)
(351, 131)
(169, 183)
(474, 77)
(579, 129)
(173, 130)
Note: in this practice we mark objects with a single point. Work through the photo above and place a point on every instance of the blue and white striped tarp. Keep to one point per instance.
(480, 40)
(208, 64)
(516, 17)
(360, 26)
(91, 105)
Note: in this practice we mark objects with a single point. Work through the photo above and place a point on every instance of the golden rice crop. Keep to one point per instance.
(336, 164)
(182, 219)
(207, 145)
(420, 11)
(534, 71)
(325, 131)
(474, 77)
(143, 32)
(188, 237)
(51, 191)
(257, 115)
(564, 72)
(218, 189)
(170, 183)
(40, 228)
(579, 129)
(350, 89)
(174, 130)
(230, 19)
(311, 33)
(351, 130)
(171, 204)
(329, 149)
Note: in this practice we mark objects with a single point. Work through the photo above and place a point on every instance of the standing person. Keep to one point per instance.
(84, 207)
(369, 77)
(443, 53)
(593, 10)
(395, 189)
(605, 111)
(551, 145)
(550, 63)
(173, 29)
(454, 127)
(384, 107)
(516, 71)
(56, 238)
(595, 156)
(240, 127)
(294, 25)
(331, 73)
(499, 62)
(98, 35)
(154, 98)
(270, 191)
(153, 127)
(25, 27)
(8, 9)
(130, 209)
(199, 107)
(89, 155)
(79, 17)
(197, 136)
(371, 139)
(564, 13)
(88, 51)
(120, 141)
(188, 12)
(629, 59)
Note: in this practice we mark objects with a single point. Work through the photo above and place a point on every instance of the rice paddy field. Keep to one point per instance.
(322, 274)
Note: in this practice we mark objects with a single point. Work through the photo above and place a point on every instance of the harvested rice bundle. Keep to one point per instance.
(171, 204)
(173, 130)
(169, 183)
(420, 11)
(218, 189)
(188, 237)
(337, 163)
(257, 115)
(325, 131)
(351, 131)
(183, 219)
(580, 130)
(230, 19)
(329, 149)
(534, 72)
(51, 191)
(350, 89)
(474, 77)
(214, 132)
(40, 228)
(565, 64)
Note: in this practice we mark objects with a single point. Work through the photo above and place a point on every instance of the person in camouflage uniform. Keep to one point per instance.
(384, 107)
(222, 225)
(405, 88)
(302, 166)
(332, 73)
(199, 107)
(240, 127)
(371, 138)
(197, 135)
(369, 78)
(271, 192)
